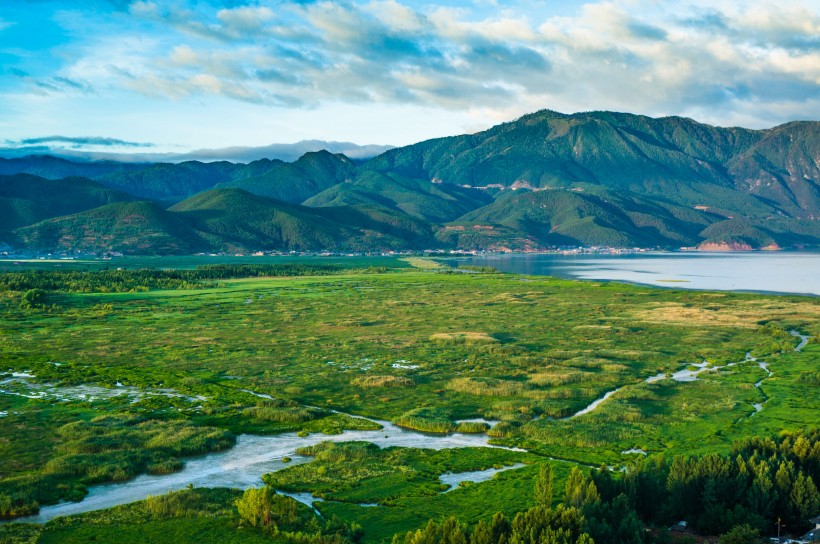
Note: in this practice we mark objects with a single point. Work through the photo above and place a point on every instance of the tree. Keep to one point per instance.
(33, 298)
(804, 497)
(482, 534)
(543, 486)
(574, 490)
(262, 507)
(578, 491)
(540, 525)
(613, 522)
(449, 531)
(254, 506)
(740, 534)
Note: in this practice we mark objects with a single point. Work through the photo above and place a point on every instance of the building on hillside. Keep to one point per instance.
(814, 534)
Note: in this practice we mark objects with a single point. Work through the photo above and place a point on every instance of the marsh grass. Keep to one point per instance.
(487, 345)
(472, 427)
(383, 381)
(429, 420)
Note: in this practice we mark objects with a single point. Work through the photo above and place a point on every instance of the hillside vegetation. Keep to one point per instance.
(544, 180)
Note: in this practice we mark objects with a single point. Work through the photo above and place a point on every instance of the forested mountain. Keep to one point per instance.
(27, 199)
(297, 181)
(55, 168)
(132, 227)
(544, 180)
(235, 220)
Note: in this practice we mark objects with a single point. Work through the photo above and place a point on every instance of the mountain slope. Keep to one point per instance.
(783, 167)
(27, 199)
(293, 182)
(170, 181)
(546, 179)
(129, 227)
(233, 219)
(422, 200)
(560, 217)
(677, 159)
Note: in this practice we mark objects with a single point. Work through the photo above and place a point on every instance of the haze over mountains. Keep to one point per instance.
(55, 146)
(544, 180)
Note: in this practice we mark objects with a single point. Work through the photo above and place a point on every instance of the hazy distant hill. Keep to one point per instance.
(241, 154)
(50, 167)
(170, 181)
(544, 180)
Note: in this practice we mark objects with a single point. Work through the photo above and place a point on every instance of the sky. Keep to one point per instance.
(181, 75)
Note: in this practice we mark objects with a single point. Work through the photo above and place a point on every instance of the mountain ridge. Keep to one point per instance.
(546, 179)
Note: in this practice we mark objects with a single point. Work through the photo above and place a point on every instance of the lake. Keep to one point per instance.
(770, 272)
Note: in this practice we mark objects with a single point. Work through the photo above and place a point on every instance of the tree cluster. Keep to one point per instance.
(740, 496)
(123, 281)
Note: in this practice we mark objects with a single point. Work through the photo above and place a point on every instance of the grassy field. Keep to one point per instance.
(412, 343)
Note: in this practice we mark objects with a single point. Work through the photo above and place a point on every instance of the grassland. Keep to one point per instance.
(418, 345)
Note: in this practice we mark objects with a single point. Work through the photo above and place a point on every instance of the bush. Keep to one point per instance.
(431, 420)
(741, 534)
(262, 507)
(383, 381)
(472, 427)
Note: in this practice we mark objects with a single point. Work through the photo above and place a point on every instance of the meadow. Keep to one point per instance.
(102, 386)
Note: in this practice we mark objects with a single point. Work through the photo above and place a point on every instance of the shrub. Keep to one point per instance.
(383, 381)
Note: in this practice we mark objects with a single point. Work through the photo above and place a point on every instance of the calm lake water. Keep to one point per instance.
(776, 272)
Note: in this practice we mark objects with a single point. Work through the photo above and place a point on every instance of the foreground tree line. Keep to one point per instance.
(739, 496)
(144, 279)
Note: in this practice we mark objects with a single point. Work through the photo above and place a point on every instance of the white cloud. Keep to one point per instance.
(395, 16)
(745, 61)
(603, 56)
(143, 9)
(455, 24)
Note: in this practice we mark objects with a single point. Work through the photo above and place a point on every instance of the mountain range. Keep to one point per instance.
(544, 180)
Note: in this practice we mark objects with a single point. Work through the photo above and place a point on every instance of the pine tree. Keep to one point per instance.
(574, 490)
(543, 486)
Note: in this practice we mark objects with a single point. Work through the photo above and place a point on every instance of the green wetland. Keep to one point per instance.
(354, 399)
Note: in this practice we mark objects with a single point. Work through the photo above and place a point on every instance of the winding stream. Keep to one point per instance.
(804, 339)
(455, 479)
(689, 374)
(243, 465)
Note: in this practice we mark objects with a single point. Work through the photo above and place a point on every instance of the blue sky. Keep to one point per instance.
(178, 75)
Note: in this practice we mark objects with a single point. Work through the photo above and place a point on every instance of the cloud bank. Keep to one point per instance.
(754, 63)
(78, 141)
